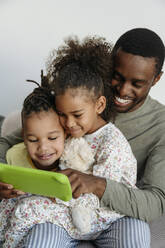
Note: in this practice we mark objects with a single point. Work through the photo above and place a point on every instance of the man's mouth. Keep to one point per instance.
(122, 101)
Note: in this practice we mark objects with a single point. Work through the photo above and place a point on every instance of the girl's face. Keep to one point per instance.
(44, 138)
(79, 113)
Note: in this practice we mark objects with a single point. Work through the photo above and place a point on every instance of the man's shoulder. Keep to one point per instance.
(156, 103)
(156, 108)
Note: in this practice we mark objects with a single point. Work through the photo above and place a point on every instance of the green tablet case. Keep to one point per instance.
(46, 183)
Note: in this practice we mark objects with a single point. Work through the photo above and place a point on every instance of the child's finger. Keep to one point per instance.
(5, 186)
(18, 192)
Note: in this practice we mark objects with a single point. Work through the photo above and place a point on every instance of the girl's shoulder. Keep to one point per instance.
(109, 133)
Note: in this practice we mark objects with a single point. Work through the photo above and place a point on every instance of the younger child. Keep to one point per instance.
(43, 146)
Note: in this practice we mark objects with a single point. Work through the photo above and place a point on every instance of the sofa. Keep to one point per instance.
(157, 227)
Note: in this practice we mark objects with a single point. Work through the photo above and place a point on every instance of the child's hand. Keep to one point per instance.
(82, 183)
(7, 191)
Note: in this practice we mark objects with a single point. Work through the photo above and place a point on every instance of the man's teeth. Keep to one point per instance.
(122, 100)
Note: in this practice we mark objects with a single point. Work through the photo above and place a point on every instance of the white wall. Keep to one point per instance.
(30, 29)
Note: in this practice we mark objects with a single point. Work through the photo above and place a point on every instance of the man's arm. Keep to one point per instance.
(146, 203)
(7, 142)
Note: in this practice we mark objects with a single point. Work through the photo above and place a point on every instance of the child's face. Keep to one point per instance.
(79, 113)
(44, 138)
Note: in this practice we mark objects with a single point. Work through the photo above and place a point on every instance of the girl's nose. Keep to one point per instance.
(70, 122)
(43, 147)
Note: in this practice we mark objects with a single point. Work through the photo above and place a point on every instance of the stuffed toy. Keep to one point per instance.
(78, 155)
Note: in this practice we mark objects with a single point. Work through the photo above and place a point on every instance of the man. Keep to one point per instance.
(138, 59)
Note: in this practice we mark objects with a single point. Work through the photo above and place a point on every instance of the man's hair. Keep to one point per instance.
(41, 99)
(85, 65)
(142, 42)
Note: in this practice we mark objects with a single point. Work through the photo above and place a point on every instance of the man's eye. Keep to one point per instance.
(117, 78)
(138, 85)
(60, 114)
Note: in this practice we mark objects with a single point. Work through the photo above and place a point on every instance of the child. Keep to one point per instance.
(43, 145)
(80, 75)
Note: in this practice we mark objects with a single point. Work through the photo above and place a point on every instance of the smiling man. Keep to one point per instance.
(137, 68)
(138, 57)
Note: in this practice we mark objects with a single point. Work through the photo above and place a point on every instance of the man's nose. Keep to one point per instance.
(125, 89)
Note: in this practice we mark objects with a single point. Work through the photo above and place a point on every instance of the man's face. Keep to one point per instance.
(132, 80)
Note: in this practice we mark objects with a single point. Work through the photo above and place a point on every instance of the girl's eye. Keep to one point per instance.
(78, 116)
(52, 138)
(32, 141)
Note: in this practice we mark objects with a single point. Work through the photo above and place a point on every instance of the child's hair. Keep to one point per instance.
(41, 99)
(142, 42)
(84, 65)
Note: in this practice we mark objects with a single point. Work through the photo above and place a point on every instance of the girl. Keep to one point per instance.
(80, 75)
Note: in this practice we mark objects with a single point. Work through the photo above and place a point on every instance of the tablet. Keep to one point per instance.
(35, 181)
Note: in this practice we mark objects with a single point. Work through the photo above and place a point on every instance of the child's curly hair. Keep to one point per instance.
(41, 99)
(86, 65)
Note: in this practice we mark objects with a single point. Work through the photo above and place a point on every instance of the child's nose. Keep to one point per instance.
(43, 146)
(70, 122)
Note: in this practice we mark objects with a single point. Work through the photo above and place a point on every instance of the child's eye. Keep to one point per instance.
(78, 116)
(32, 140)
(52, 138)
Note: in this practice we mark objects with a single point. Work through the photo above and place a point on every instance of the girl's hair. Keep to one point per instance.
(41, 99)
(84, 65)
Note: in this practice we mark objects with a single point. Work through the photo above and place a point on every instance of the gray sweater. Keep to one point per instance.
(145, 131)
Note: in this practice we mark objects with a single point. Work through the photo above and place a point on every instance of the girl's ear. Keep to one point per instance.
(100, 104)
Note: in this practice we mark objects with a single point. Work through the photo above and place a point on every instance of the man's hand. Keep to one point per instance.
(83, 183)
(7, 191)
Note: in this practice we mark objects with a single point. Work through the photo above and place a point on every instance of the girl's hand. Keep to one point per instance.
(83, 183)
(7, 191)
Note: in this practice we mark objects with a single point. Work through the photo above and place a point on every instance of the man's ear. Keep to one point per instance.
(157, 78)
(100, 104)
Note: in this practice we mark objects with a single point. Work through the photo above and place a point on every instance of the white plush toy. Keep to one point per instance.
(78, 155)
